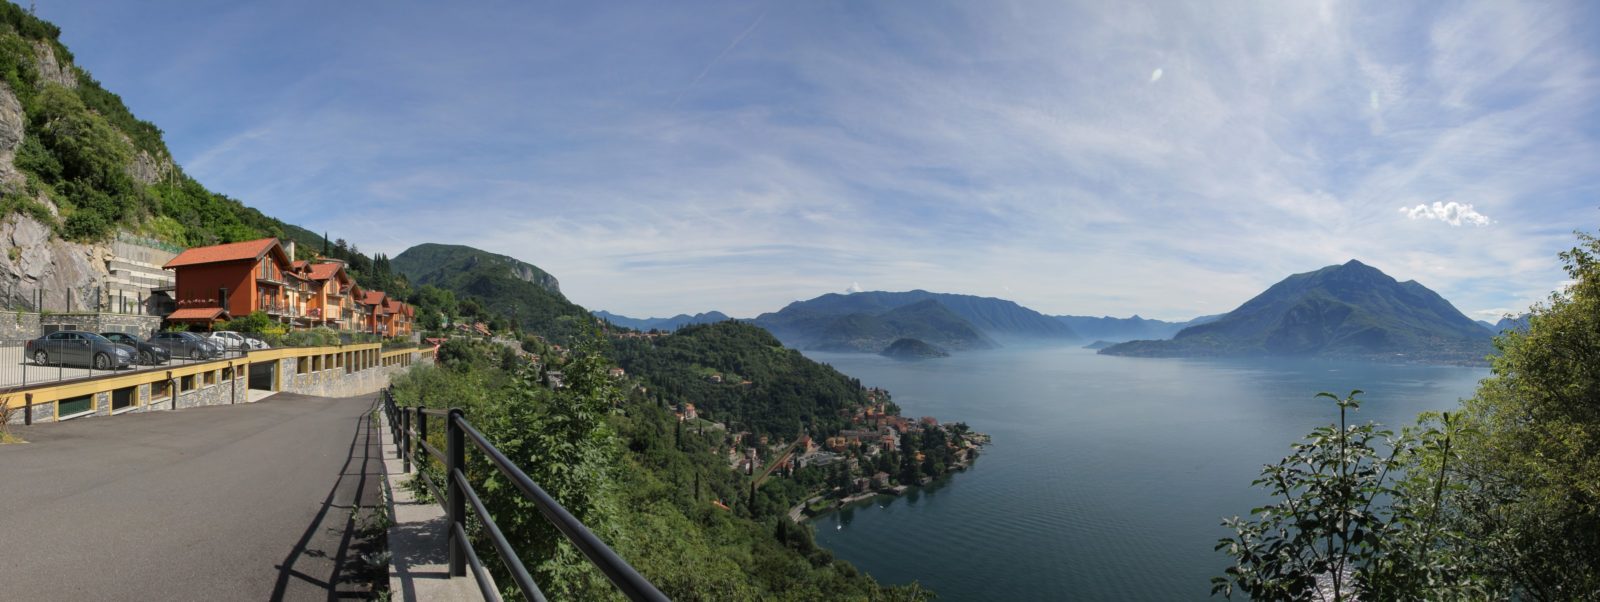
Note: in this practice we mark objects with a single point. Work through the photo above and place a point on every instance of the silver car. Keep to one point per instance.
(79, 348)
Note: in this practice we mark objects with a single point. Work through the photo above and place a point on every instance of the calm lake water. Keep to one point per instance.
(1108, 476)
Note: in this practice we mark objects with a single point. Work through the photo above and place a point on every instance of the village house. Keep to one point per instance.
(222, 282)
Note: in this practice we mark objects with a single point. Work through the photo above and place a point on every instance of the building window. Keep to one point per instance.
(75, 406)
(123, 398)
(227, 373)
(186, 384)
(160, 389)
(211, 377)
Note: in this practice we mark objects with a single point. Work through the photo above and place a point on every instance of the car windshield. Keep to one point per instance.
(94, 337)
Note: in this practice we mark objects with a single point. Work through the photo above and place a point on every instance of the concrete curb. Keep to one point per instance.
(417, 536)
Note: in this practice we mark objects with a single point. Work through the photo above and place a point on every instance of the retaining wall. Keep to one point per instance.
(335, 371)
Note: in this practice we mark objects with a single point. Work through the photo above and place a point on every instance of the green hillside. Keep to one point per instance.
(502, 285)
(787, 392)
(82, 163)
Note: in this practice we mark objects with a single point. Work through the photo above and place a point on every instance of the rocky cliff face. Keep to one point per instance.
(34, 260)
(12, 123)
(51, 68)
(70, 274)
(533, 275)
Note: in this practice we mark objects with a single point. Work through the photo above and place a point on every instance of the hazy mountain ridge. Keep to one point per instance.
(667, 324)
(1350, 310)
(863, 321)
(1116, 330)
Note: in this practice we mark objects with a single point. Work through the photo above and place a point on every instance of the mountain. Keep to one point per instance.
(663, 324)
(1487, 325)
(503, 285)
(856, 321)
(1117, 330)
(1519, 323)
(912, 349)
(928, 320)
(431, 263)
(1351, 310)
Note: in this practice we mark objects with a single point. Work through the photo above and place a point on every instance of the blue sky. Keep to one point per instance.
(1096, 158)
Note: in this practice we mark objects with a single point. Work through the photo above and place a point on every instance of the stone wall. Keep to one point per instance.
(142, 326)
(335, 381)
(17, 327)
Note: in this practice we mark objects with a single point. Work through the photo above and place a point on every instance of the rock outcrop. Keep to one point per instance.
(12, 122)
(52, 69)
(35, 260)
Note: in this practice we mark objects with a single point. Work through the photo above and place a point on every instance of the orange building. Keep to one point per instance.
(221, 282)
(327, 296)
(387, 316)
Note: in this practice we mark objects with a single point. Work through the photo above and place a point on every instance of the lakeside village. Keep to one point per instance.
(879, 453)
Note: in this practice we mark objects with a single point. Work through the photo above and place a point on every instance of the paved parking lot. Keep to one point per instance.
(17, 370)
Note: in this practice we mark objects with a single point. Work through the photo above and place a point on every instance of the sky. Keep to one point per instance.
(1090, 158)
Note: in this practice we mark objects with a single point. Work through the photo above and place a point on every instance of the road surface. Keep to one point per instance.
(238, 502)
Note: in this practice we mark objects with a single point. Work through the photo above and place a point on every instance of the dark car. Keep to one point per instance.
(80, 348)
(186, 345)
(149, 355)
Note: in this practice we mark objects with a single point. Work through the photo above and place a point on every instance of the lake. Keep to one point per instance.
(1108, 476)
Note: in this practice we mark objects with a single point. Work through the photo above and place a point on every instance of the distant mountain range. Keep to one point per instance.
(1116, 330)
(870, 321)
(1351, 310)
(663, 324)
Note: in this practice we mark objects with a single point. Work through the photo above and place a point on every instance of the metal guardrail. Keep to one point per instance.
(18, 371)
(412, 435)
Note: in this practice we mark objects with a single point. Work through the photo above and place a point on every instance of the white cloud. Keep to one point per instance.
(1155, 76)
(855, 287)
(1452, 213)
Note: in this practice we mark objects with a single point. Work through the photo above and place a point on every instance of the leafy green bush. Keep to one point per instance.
(1344, 525)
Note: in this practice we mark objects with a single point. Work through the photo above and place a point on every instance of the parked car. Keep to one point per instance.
(187, 345)
(149, 355)
(234, 341)
(81, 348)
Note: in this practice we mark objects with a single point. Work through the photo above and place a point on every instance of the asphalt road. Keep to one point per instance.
(239, 502)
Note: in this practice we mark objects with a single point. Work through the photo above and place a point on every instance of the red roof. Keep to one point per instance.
(373, 298)
(324, 271)
(195, 314)
(235, 251)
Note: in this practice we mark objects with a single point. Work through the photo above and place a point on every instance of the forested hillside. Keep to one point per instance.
(73, 157)
(662, 495)
(504, 286)
(786, 393)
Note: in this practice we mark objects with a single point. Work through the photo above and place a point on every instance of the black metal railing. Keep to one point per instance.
(410, 434)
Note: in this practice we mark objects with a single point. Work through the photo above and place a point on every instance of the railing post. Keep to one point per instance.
(405, 438)
(456, 453)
